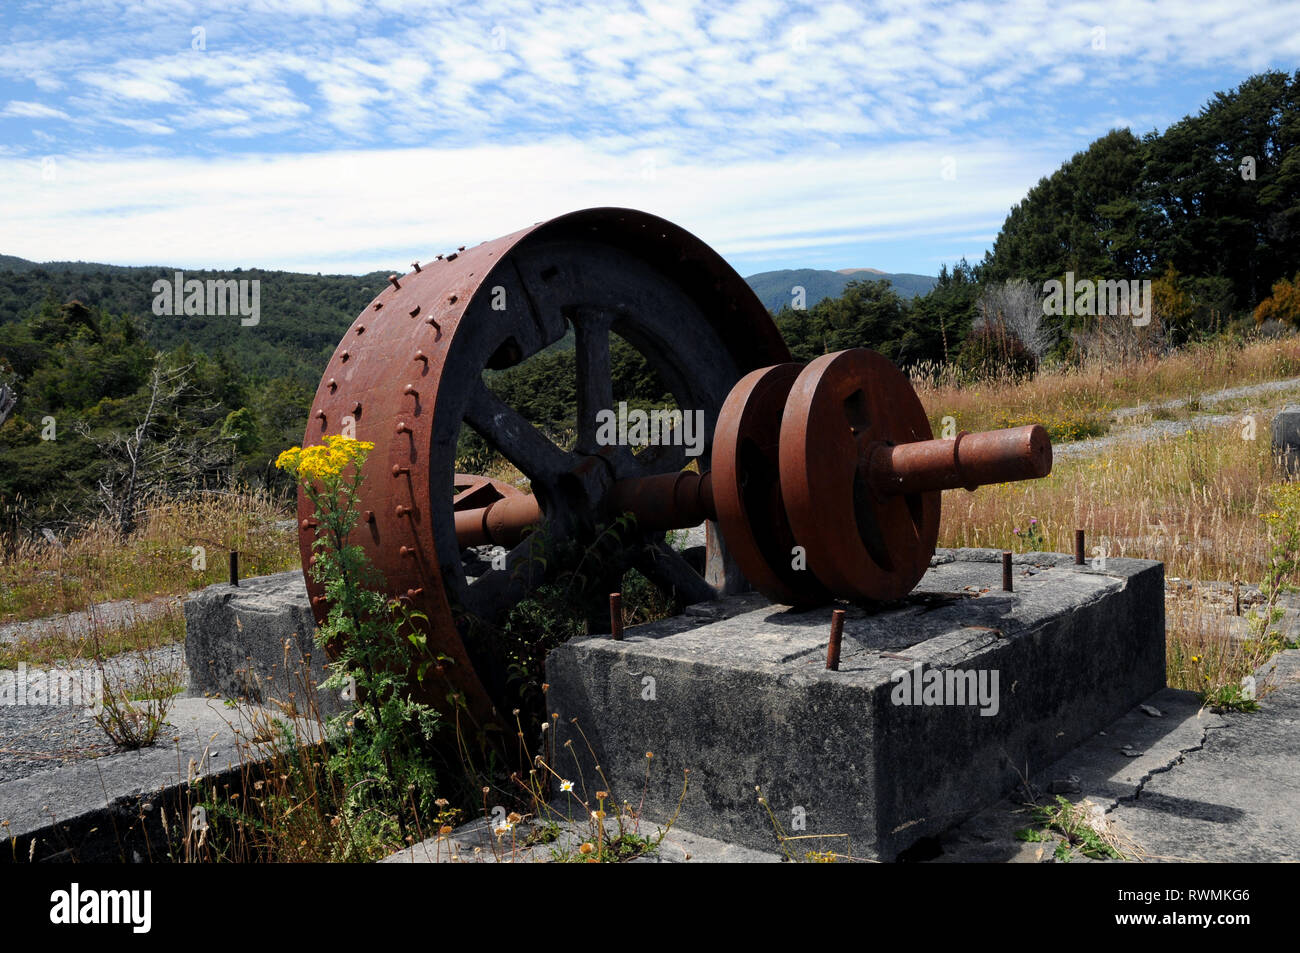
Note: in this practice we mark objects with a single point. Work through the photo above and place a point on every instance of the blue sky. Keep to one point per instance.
(341, 136)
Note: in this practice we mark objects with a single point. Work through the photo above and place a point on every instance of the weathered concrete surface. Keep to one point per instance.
(476, 842)
(737, 693)
(109, 808)
(1286, 437)
(256, 641)
(1233, 797)
(1178, 782)
(1108, 768)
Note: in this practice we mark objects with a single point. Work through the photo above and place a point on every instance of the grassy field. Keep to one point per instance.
(1194, 500)
(162, 558)
(1076, 403)
(62, 648)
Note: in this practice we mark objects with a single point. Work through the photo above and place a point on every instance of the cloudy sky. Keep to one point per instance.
(345, 136)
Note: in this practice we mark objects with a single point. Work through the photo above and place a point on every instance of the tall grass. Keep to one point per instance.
(1074, 402)
(1192, 501)
(39, 577)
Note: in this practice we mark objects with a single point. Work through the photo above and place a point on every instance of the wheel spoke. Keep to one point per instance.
(666, 567)
(511, 434)
(595, 387)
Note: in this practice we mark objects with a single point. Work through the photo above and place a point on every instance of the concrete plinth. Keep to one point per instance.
(1285, 432)
(940, 705)
(256, 641)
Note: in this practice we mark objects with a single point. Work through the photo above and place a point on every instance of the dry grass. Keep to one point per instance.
(61, 647)
(39, 578)
(1077, 402)
(1193, 502)
(1210, 651)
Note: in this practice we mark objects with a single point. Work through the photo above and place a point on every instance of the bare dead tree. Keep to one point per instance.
(1015, 307)
(146, 460)
(1113, 340)
(8, 398)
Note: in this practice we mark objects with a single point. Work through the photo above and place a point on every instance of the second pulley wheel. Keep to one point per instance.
(746, 486)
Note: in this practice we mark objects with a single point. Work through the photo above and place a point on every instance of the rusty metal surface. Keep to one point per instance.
(971, 460)
(859, 544)
(747, 487)
(837, 636)
(408, 375)
(666, 501)
(471, 491)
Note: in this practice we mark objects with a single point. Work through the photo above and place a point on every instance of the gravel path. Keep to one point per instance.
(81, 623)
(41, 737)
(1157, 428)
(1171, 428)
(1216, 397)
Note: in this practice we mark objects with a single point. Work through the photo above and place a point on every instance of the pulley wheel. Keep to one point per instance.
(747, 487)
(413, 370)
(860, 545)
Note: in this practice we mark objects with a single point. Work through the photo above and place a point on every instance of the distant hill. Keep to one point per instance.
(773, 287)
(303, 316)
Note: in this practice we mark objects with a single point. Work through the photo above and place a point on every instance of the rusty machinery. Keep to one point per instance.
(835, 457)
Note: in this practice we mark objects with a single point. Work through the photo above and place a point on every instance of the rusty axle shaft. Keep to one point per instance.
(685, 499)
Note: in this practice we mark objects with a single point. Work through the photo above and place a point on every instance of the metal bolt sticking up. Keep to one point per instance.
(833, 647)
(616, 616)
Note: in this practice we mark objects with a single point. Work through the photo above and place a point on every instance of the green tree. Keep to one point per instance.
(1086, 218)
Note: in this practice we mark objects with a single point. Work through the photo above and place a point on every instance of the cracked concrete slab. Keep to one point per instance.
(1231, 798)
(1187, 784)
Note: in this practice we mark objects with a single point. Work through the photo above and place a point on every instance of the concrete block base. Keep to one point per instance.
(941, 704)
(256, 641)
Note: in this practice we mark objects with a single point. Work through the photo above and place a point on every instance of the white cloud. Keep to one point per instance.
(28, 110)
(358, 210)
(771, 125)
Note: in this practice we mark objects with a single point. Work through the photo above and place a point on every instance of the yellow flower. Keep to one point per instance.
(289, 459)
(326, 460)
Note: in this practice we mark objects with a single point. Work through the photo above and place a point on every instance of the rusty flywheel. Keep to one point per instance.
(409, 373)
